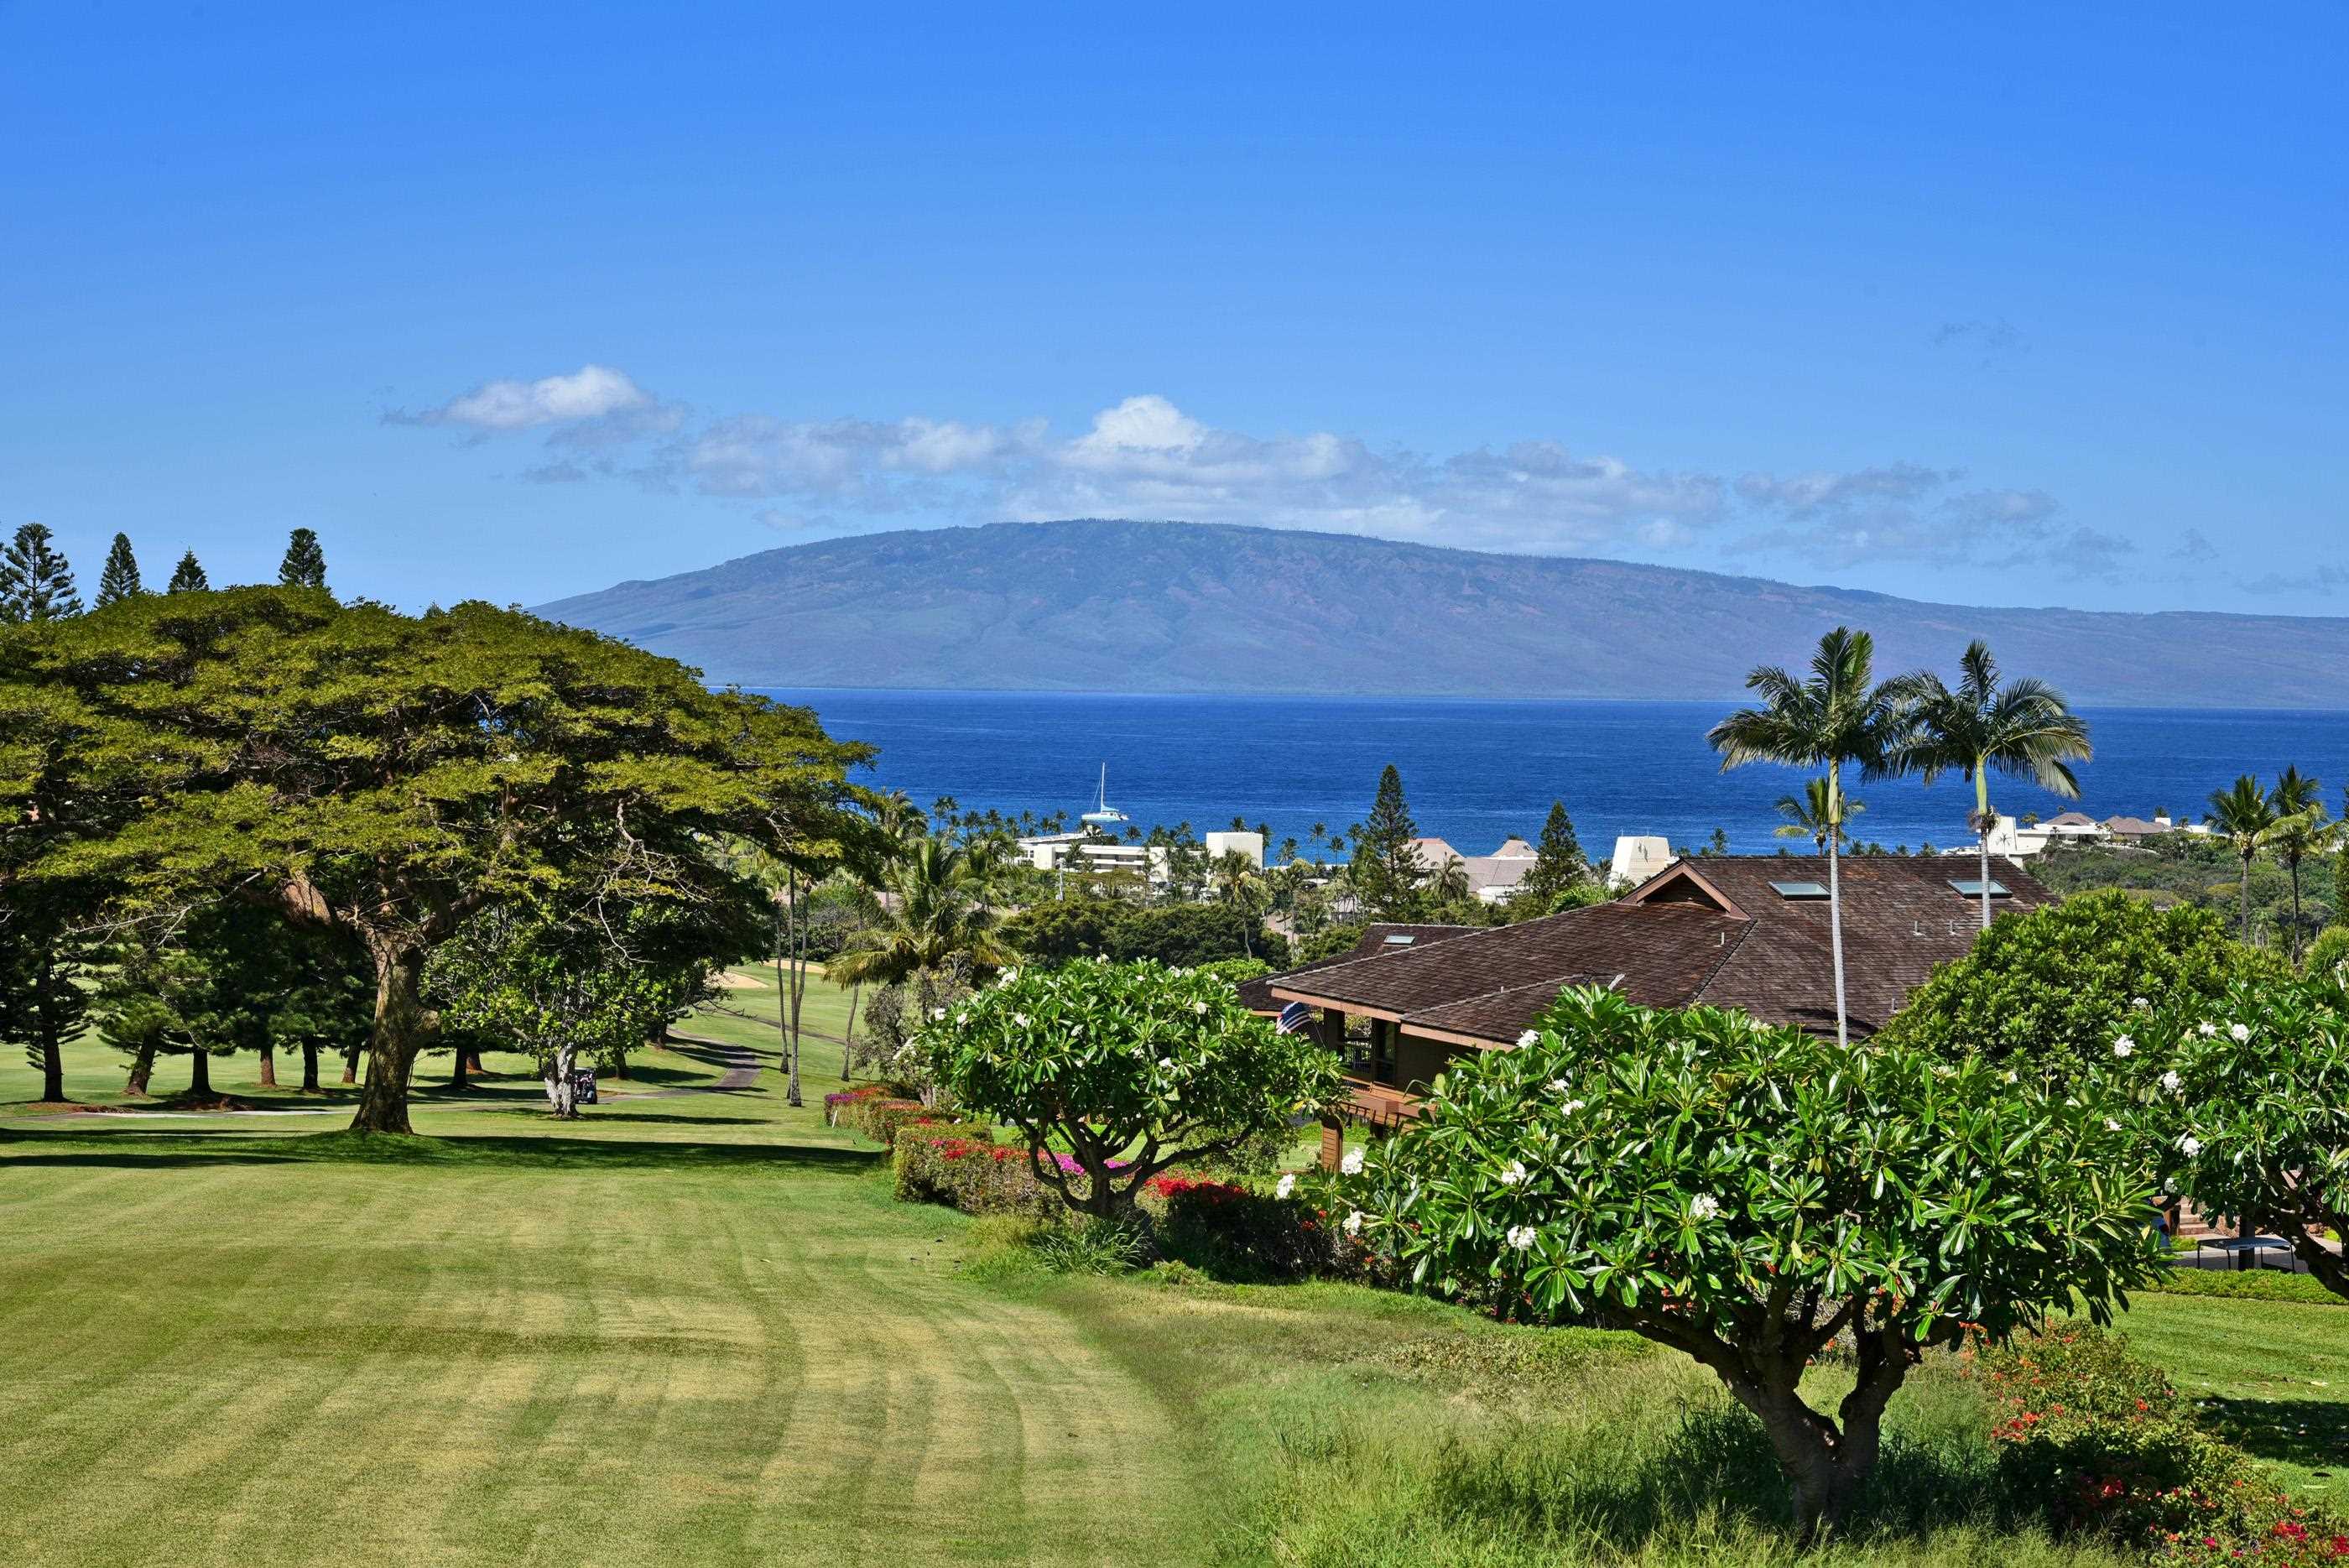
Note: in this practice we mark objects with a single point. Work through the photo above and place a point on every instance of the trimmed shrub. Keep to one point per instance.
(883, 1115)
(1228, 1230)
(962, 1167)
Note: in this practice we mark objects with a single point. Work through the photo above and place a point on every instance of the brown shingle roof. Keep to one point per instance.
(1257, 995)
(1712, 930)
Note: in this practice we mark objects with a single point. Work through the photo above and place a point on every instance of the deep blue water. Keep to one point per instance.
(1476, 771)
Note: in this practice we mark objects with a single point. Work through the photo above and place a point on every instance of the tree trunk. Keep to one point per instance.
(1827, 1469)
(457, 1066)
(399, 1031)
(269, 1067)
(562, 1091)
(848, 1046)
(142, 1068)
(1835, 897)
(53, 1070)
(799, 988)
(351, 1064)
(2295, 908)
(309, 1066)
(200, 1075)
(2247, 901)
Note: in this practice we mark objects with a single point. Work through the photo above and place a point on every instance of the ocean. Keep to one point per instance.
(1476, 771)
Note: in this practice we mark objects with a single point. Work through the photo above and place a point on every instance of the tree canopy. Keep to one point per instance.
(35, 583)
(1746, 1194)
(385, 776)
(120, 580)
(1127, 1068)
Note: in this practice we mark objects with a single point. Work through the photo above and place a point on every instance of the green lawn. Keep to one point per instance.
(695, 1328)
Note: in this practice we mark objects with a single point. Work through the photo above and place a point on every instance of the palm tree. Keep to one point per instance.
(1838, 716)
(2021, 728)
(2242, 816)
(935, 919)
(2300, 830)
(1806, 816)
(1238, 882)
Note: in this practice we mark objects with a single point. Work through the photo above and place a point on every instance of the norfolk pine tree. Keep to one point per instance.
(120, 580)
(305, 565)
(36, 582)
(188, 576)
(381, 777)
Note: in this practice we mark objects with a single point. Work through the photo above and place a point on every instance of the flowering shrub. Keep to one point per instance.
(882, 1116)
(2246, 1110)
(1234, 1232)
(1130, 1068)
(1749, 1195)
(833, 1104)
(2094, 1438)
(962, 1167)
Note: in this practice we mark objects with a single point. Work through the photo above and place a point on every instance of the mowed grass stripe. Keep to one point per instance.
(697, 1331)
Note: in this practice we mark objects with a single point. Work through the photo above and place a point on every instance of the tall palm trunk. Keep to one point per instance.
(2293, 862)
(1983, 822)
(798, 970)
(1835, 894)
(848, 1046)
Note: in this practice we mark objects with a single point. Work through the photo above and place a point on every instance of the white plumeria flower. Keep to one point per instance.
(1530, 1037)
(2140, 1003)
(1572, 1107)
(1019, 1020)
(938, 1014)
(2189, 1145)
(1514, 1175)
(1354, 1226)
(2123, 1046)
(2011, 1077)
(2172, 1082)
(2111, 1125)
(1521, 1236)
(1353, 1164)
(1559, 1086)
(1705, 1206)
(2206, 1030)
(1284, 1186)
(1199, 1007)
(2240, 1031)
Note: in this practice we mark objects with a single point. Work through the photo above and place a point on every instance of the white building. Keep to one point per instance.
(1637, 858)
(1492, 877)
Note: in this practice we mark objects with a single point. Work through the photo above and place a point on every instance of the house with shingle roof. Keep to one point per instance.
(1748, 932)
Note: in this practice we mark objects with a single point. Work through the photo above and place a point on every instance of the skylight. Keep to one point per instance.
(1401, 939)
(1800, 890)
(1971, 888)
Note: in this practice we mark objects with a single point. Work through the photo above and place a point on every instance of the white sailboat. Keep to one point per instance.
(1104, 817)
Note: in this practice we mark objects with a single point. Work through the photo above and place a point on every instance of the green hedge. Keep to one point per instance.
(2249, 1284)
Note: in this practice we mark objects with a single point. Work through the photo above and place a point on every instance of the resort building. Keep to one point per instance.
(1491, 878)
(1636, 860)
(1742, 931)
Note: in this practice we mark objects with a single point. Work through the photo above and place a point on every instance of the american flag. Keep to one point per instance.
(1295, 1018)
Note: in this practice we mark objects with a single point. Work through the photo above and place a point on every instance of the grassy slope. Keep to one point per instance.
(694, 1329)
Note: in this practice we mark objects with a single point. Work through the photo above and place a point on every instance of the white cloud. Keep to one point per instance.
(1143, 457)
(590, 392)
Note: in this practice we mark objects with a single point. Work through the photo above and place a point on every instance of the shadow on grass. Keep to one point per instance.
(2311, 1432)
(138, 1150)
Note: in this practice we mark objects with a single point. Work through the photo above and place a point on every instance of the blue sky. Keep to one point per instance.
(2001, 306)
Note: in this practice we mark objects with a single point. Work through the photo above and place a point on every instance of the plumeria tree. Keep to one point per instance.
(1749, 1194)
(1124, 1068)
(2247, 1110)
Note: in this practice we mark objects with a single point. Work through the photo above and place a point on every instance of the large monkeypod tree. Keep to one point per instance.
(1747, 1194)
(385, 776)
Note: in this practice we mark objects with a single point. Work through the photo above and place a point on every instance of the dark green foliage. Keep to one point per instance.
(35, 583)
(2329, 951)
(305, 565)
(45, 957)
(188, 576)
(1388, 874)
(2199, 869)
(120, 579)
(2053, 988)
(382, 777)
(1182, 935)
(1328, 942)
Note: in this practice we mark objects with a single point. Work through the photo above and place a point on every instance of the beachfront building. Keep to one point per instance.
(1636, 860)
(1742, 931)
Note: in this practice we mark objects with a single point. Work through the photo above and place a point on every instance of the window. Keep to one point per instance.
(1971, 888)
(1399, 938)
(1800, 890)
